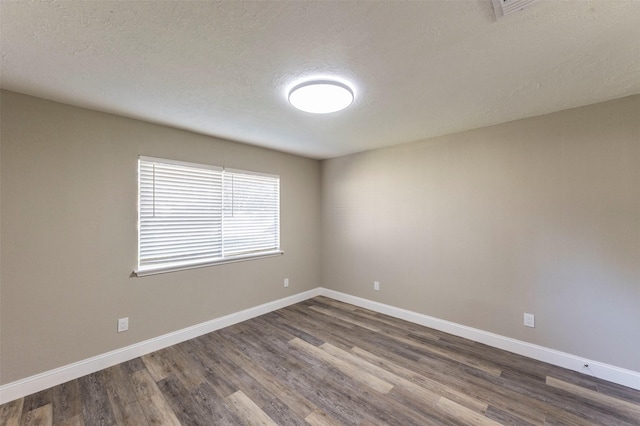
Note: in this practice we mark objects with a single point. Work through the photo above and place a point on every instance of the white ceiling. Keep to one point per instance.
(420, 69)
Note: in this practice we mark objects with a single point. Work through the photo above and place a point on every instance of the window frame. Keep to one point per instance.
(173, 266)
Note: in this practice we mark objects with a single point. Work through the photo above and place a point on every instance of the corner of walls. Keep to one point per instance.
(540, 215)
(69, 200)
(47, 379)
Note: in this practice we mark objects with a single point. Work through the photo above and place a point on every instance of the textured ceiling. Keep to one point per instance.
(420, 69)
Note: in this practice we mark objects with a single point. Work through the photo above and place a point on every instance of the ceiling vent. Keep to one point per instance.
(506, 7)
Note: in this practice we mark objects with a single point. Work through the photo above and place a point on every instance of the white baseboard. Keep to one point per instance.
(29, 385)
(601, 370)
(47, 379)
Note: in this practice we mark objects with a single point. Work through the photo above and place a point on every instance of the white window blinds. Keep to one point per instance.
(251, 219)
(193, 215)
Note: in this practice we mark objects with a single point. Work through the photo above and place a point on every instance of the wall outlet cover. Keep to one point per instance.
(529, 320)
(123, 324)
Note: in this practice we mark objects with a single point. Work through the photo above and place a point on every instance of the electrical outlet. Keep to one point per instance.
(123, 324)
(529, 320)
(376, 285)
(286, 282)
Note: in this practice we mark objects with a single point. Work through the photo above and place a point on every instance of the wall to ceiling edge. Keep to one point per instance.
(540, 215)
(69, 238)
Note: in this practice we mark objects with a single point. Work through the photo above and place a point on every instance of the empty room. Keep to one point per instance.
(320, 212)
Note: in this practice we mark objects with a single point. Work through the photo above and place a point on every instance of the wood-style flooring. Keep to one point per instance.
(322, 362)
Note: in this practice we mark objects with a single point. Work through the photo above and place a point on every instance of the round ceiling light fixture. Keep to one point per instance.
(321, 96)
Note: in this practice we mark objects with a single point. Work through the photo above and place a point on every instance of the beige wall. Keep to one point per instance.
(540, 215)
(68, 226)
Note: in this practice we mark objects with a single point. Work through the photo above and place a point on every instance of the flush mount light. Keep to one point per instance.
(321, 96)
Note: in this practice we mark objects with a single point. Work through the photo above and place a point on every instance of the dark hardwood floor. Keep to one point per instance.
(322, 362)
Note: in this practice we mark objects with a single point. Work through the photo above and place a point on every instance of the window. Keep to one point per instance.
(193, 215)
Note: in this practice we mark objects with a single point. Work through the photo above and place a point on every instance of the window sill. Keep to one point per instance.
(175, 267)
